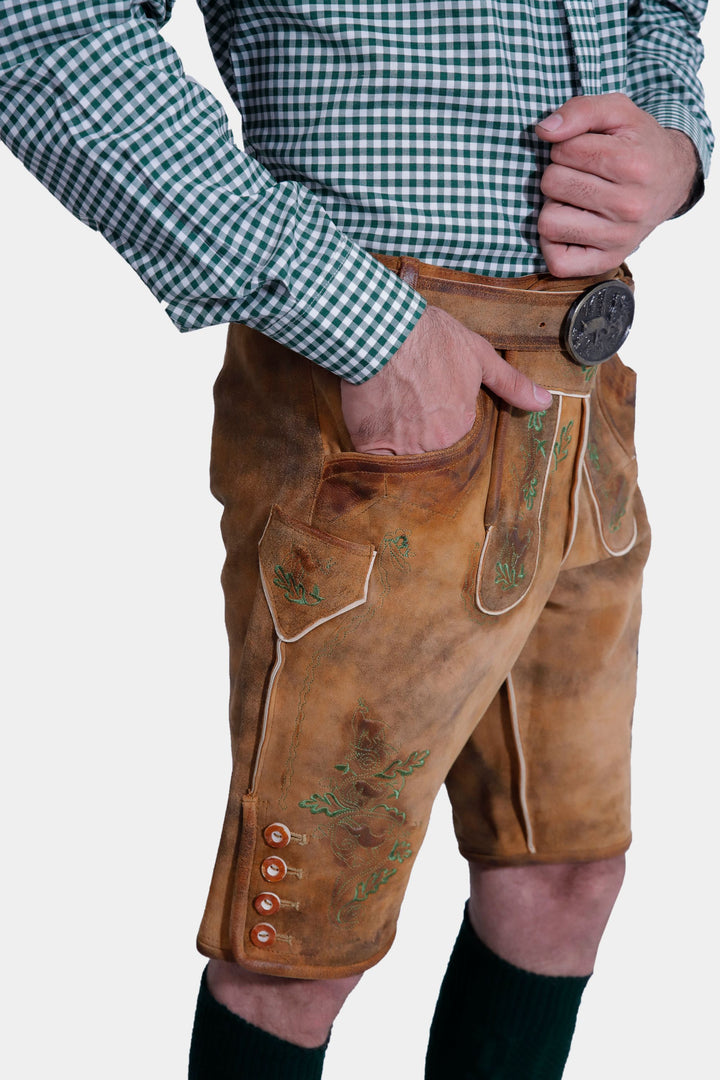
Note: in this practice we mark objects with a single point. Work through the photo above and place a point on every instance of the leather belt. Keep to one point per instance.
(586, 318)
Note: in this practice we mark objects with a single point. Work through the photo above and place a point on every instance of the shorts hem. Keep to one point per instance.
(529, 858)
(294, 968)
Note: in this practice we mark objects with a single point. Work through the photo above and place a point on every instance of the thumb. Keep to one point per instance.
(512, 386)
(601, 114)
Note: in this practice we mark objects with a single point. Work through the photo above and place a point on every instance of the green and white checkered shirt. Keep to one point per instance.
(391, 126)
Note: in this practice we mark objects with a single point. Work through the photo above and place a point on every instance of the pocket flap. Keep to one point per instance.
(529, 446)
(309, 576)
(610, 464)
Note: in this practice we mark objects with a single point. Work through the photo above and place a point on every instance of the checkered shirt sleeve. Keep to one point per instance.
(97, 105)
(368, 125)
(664, 56)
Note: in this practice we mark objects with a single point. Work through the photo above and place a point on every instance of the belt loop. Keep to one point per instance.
(409, 271)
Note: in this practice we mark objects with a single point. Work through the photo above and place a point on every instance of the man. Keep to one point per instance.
(604, 192)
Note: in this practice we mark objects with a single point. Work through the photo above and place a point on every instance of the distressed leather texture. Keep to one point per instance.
(467, 616)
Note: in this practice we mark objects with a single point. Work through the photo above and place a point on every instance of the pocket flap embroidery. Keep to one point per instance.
(610, 464)
(310, 577)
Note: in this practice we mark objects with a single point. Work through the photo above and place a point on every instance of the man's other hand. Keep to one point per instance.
(614, 175)
(425, 397)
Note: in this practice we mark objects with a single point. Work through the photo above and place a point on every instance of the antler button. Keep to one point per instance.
(273, 868)
(263, 934)
(277, 835)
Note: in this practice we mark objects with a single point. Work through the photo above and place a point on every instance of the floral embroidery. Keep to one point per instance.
(509, 575)
(529, 492)
(593, 455)
(295, 591)
(400, 852)
(561, 449)
(361, 815)
(397, 546)
(535, 420)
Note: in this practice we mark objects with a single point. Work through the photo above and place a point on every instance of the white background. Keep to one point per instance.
(114, 758)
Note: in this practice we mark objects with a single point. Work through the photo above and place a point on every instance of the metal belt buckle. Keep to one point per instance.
(598, 322)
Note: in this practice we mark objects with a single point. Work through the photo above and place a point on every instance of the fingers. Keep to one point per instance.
(564, 223)
(426, 395)
(512, 386)
(605, 156)
(601, 113)
(580, 189)
(577, 243)
(577, 260)
(614, 175)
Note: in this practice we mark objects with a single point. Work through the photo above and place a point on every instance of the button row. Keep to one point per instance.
(273, 869)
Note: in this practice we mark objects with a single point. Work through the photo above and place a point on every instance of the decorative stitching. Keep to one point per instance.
(529, 492)
(363, 818)
(509, 575)
(535, 420)
(561, 449)
(295, 591)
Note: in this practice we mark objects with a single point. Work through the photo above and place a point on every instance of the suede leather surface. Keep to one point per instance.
(468, 616)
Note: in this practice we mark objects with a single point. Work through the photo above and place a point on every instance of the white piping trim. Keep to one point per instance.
(325, 618)
(266, 712)
(575, 500)
(596, 504)
(524, 593)
(529, 835)
(566, 393)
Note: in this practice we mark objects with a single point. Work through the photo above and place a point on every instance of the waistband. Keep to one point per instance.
(518, 314)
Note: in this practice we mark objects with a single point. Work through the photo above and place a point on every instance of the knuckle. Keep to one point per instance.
(549, 180)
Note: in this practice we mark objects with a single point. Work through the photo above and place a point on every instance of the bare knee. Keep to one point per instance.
(301, 1011)
(546, 918)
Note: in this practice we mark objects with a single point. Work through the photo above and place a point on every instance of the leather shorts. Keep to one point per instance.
(467, 616)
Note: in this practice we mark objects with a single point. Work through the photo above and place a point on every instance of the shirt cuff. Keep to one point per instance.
(313, 290)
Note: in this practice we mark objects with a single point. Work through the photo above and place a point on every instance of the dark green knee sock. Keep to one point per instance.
(226, 1047)
(495, 1021)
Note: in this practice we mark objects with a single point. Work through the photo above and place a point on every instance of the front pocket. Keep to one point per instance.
(423, 484)
(308, 576)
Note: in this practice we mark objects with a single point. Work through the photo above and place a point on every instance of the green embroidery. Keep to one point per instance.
(359, 812)
(589, 370)
(509, 575)
(369, 887)
(404, 768)
(535, 420)
(529, 492)
(540, 445)
(295, 591)
(561, 449)
(396, 546)
(617, 516)
(400, 852)
(593, 455)
(325, 804)
(399, 543)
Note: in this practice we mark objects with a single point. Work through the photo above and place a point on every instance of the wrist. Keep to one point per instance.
(695, 189)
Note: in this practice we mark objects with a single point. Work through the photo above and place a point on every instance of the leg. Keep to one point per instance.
(301, 1011)
(546, 919)
(510, 996)
(252, 1026)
